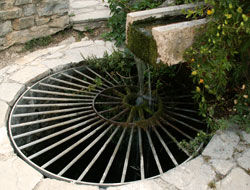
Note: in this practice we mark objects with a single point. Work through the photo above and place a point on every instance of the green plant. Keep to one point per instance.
(219, 61)
(119, 10)
(43, 41)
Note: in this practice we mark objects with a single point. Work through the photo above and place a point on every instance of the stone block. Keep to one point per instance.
(195, 174)
(60, 22)
(246, 137)
(52, 184)
(237, 179)
(9, 92)
(29, 10)
(50, 7)
(19, 36)
(4, 112)
(15, 174)
(89, 25)
(42, 20)
(83, 4)
(29, 74)
(6, 4)
(222, 145)
(10, 14)
(23, 23)
(22, 2)
(2, 41)
(244, 161)
(5, 28)
(172, 40)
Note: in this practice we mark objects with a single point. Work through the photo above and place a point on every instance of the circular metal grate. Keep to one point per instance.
(84, 126)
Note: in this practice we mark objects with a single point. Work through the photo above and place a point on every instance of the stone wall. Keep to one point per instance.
(23, 20)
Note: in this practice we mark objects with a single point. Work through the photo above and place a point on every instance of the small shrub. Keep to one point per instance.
(44, 41)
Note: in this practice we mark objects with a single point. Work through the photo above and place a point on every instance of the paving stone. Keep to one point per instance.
(9, 92)
(32, 56)
(51, 184)
(29, 74)
(73, 56)
(95, 15)
(146, 185)
(193, 175)
(56, 48)
(54, 55)
(81, 44)
(6, 150)
(83, 4)
(15, 174)
(244, 160)
(237, 179)
(246, 136)
(222, 145)
(4, 112)
(100, 42)
(94, 51)
(67, 41)
(55, 64)
(223, 166)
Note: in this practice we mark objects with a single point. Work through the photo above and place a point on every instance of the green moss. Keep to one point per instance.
(142, 44)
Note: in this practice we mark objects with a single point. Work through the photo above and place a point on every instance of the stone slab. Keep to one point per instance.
(222, 145)
(156, 184)
(244, 160)
(195, 174)
(4, 112)
(246, 137)
(51, 184)
(222, 166)
(15, 174)
(237, 179)
(9, 92)
(83, 4)
(6, 150)
(90, 16)
(29, 74)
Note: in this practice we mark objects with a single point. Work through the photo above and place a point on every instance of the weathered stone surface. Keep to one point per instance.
(29, 74)
(32, 56)
(4, 112)
(15, 174)
(89, 25)
(222, 145)
(9, 92)
(244, 161)
(5, 28)
(99, 42)
(10, 14)
(81, 44)
(6, 150)
(83, 4)
(50, 7)
(95, 15)
(2, 41)
(237, 179)
(67, 41)
(73, 56)
(94, 51)
(195, 174)
(23, 23)
(156, 184)
(19, 36)
(6, 4)
(51, 184)
(29, 10)
(42, 20)
(172, 40)
(222, 166)
(54, 56)
(60, 22)
(246, 136)
(22, 2)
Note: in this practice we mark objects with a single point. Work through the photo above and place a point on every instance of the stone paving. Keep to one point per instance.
(88, 14)
(223, 165)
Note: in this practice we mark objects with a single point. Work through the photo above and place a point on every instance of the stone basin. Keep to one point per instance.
(161, 35)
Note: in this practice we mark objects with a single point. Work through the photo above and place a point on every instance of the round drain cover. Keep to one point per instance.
(87, 126)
